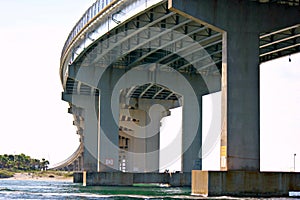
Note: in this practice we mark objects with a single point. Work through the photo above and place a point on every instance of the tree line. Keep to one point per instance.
(22, 162)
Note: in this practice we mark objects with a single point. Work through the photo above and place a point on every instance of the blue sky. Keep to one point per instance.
(34, 119)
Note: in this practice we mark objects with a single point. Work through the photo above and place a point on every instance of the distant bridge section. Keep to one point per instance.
(72, 163)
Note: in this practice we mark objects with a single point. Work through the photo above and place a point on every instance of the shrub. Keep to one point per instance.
(6, 174)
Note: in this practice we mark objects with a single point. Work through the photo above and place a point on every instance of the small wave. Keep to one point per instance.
(101, 196)
(6, 190)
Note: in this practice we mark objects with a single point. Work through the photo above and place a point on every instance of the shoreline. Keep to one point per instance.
(36, 177)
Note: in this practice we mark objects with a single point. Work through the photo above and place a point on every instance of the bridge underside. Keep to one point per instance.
(177, 46)
(172, 53)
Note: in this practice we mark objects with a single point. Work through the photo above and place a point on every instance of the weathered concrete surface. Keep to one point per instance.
(151, 178)
(128, 179)
(244, 183)
(180, 179)
(77, 177)
(109, 178)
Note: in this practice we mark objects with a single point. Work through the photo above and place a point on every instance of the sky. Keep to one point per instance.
(34, 119)
(280, 114)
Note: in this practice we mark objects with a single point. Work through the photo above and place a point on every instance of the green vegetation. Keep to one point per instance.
(21, 162)
(53, 173)
(6, 173)
(34, 168)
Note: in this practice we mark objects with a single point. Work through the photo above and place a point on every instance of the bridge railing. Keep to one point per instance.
(98, 7)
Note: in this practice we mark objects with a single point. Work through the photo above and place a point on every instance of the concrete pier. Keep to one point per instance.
(244, 183)
(129, 179)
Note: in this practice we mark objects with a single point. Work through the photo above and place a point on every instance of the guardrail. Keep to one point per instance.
(97, 8)
(89, 26)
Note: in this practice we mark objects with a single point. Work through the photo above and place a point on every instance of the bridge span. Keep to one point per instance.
(126, 63)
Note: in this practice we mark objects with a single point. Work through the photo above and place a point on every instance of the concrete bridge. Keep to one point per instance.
(126, 63)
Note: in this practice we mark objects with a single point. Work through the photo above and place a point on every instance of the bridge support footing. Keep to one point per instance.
(244, 183)
(129, 179)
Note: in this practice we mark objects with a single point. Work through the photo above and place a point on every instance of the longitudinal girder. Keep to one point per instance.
(160, 18)
(279, 43)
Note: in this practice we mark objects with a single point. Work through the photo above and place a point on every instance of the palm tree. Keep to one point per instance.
(44, 164)
(3, 161)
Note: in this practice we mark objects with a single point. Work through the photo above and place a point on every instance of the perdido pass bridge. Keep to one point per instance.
(127, 63)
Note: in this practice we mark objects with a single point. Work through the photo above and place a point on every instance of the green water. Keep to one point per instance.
(139, 191)
(43, 190)
(28, 189)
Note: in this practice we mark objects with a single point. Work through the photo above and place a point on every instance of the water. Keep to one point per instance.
(29, 189)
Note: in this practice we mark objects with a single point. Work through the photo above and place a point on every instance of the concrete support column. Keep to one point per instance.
(100, 132)
(146, 140)
(241, 101)
(79, 163)
(108, 134)
(241, 22)
(137, 146)
(152, 139)
(191, 141)
(90, 112)
(90, 137)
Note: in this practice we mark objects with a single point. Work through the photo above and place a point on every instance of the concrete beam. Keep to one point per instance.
(97, 76)
(231, 15)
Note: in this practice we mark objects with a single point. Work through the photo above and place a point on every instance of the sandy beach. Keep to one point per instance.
(39, 177)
